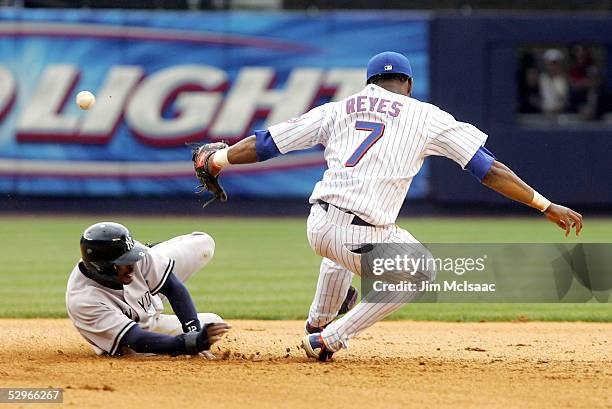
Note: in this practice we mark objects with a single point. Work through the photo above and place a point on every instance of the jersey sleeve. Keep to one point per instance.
(100, 324)
(155, 269)
(448, 137)
(302, 132)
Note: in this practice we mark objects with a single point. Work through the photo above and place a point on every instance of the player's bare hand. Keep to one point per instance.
(205, 338)
(216, 331)
(565, 218)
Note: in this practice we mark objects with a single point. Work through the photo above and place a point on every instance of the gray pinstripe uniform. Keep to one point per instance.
(373, 189)
(103, 315)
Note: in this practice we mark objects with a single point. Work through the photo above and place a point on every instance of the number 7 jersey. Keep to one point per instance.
(375, 143)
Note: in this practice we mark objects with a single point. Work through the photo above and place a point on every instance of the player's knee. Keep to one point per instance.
(209, 318)
(214, 318)
(206, 245)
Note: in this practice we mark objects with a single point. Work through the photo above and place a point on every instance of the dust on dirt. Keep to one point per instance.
(398, 364)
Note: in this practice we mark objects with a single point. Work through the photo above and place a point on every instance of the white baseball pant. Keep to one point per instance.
(192, 252)
(332, 236)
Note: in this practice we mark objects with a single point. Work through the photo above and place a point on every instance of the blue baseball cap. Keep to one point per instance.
(388, 62)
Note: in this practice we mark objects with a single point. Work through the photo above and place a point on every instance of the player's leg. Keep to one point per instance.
(332, 235)
(365, 314)
(334, 278)
(170, 324)
(332, 287)
(191, 252)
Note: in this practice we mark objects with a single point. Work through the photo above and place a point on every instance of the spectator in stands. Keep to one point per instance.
(528, 85)
(585, 83)
(554, 86)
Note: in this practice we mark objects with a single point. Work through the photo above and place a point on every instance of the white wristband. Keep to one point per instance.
(539, 202)
(220, 158)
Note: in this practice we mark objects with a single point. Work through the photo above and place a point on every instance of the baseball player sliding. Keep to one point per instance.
(375, 143)
(114, 295)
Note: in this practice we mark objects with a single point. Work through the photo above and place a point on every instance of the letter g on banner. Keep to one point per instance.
(194, 89)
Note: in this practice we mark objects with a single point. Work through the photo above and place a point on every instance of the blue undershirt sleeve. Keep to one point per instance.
(480, 163)
(182, 303)
(147, 342)
(265, 147)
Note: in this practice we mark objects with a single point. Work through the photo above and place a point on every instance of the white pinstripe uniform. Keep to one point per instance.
(370, 180)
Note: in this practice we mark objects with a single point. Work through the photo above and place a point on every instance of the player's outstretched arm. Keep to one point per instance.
(294, 134)
(191, 343)
(504, 181)
(244, 151)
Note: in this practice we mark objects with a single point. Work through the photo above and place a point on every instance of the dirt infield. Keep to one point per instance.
(393, 365)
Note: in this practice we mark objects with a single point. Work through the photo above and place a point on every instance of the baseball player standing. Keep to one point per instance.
(375, 143)
(114, 294)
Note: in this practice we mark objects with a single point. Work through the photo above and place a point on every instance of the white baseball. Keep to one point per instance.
(85, 100)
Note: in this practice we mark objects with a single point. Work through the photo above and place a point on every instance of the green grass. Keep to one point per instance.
(263, 268)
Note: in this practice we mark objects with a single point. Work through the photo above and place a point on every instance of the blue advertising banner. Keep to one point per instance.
(162, 79)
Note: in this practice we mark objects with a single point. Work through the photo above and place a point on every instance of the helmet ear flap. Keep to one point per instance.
(108, 276)
(104, 268)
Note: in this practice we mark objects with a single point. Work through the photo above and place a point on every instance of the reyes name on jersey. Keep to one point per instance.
(375, 143)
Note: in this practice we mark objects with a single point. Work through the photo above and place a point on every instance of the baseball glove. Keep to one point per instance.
(206, 171)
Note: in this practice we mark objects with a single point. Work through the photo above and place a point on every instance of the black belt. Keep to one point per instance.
(357, 221)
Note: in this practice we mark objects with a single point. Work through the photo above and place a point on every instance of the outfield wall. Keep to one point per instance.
(474, 65)
(166, 78)
(163, 79)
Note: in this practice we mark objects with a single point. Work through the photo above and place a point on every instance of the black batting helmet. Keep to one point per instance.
(105, 245)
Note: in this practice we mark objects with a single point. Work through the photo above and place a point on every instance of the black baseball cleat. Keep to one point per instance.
(349, 301)
(314, 330)
(314, 347)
